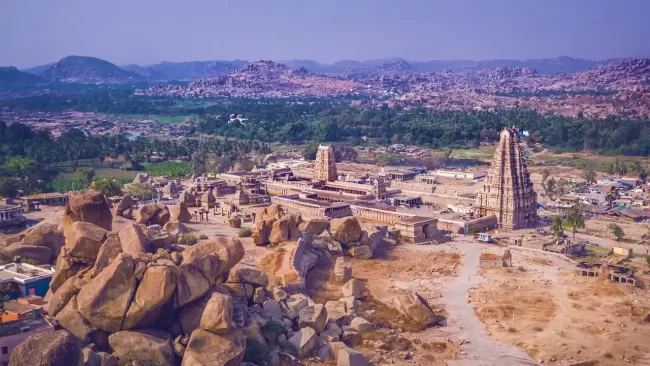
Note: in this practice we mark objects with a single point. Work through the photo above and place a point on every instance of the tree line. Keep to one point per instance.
(27, 155)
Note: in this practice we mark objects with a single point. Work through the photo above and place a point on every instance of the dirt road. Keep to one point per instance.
(464, 324)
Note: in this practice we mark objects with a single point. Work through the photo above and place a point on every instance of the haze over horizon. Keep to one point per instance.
(147, 31)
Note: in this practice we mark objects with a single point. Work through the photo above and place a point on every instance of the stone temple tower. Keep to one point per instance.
(507, 191)
(325, 166)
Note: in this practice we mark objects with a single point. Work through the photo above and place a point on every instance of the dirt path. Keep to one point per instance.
(464, 324)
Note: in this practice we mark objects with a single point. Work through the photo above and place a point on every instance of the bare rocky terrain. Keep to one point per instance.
(619, 88)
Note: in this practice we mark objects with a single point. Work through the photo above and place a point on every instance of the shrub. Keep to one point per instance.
(273, 326)
(30, 261)
(187, 239)
(256, 352)
(281, 250)
(203, 237)
(245, 232)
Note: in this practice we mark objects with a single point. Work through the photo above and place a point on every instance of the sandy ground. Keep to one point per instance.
(559, 318)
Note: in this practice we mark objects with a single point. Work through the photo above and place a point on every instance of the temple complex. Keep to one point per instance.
(325, 166)
(507, 191)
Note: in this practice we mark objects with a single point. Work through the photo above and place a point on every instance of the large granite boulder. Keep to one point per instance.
(251, 276)
(92, 358)
(133, 240)
(58, 348)
(209, 349)
(40, 254)
(180, 212)
(262, 230)
(353, 287)
(71, 320)
(345, 230)
(305, 341)
(315, 226)
(280, 230)
(350, 357)
(46, 235)
(156, 288)
(190, 315)
(124, 207)
(65, 268)
(108, 251)
(84, 240)
(314, 316)
(88, 206)
(105, 299)
(229, 250)
(152, 214)
(191, 285)
(62, 296)
(415, 308)
(217, 314)
(143, 347)
(342, 271)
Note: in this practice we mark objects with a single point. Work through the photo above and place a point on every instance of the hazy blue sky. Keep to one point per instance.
(147, 31)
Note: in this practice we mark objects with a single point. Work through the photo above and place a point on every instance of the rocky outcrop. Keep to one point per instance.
(58, 348)
(88, 206)
(153, 214)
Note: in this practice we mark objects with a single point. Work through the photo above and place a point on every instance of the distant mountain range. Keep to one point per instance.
(81, 69)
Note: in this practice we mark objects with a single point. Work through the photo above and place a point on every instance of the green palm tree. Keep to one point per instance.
(557, 227)
(575, 220)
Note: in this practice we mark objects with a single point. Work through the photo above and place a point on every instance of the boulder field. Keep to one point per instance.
(130, 298)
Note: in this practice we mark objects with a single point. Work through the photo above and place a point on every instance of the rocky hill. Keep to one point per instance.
(262, 79)
(87, 70)
(611, 88)
(12, 75)
(186, 70)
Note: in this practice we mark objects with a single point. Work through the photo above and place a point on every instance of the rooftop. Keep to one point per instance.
(23, 273)
(14, 306)
(44, 195)
(8, 207)
(23, 325)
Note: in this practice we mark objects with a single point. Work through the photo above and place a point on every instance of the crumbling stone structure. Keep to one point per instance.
(325, 166)
(507, 191)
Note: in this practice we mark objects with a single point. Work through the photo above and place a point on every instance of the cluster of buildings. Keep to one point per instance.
(12, 211)
(506, 199)
(625, 199)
